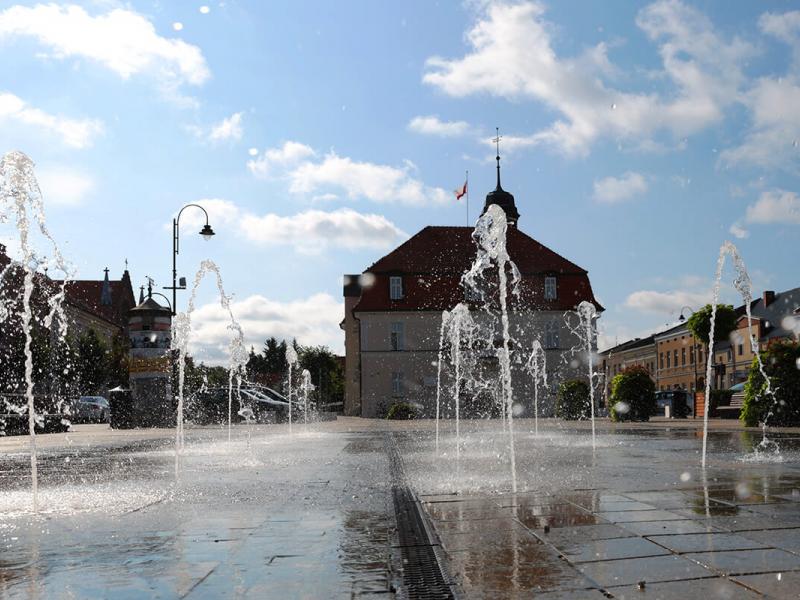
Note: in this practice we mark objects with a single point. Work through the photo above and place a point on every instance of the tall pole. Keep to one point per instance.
(174, 265)
(467, 185)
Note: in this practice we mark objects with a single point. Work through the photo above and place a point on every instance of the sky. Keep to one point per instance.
(636, 138)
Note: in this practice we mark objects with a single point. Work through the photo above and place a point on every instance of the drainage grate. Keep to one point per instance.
(422, 574)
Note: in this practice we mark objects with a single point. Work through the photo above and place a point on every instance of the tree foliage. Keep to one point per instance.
(572, 400)
(633, 395)
(782, 366)
(699, 323)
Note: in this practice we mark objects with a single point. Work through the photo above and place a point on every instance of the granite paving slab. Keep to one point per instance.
(633, 570)
(747, 561)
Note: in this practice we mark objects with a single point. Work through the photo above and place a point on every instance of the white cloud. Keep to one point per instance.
(64, 186)
(611, 190)
(512, 56)
(665, 302)
(221, 214)
(230, 128)
(431, 125)
(313, 321)
(76, 133)
(308, 174)
(775, 207)
(308, 232)
(738, 231)
(314, 230)
(121, 40)
(274, 162)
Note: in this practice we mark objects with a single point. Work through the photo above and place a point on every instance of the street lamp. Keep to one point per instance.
(694, 353)
(682, 318)
(206, 232)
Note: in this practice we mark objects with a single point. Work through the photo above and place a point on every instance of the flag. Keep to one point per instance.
(460, 191)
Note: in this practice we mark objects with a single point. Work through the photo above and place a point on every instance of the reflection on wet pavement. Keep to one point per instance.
(311, 515)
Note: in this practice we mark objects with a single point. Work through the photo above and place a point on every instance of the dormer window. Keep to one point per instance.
(396, 287)
(550, 288)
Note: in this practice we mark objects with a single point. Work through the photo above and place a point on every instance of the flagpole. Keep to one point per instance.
(467, 184)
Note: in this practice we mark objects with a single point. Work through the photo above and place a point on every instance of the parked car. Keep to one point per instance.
(91, 409)
(679, 402)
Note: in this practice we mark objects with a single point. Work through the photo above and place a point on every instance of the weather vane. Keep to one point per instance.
(496, 140)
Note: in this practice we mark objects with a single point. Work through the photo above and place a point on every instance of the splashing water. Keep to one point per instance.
(291, 359)
(537, 367)
(180, 342)
(21, 198)
(588, 314)
(490, 238)
(306, 387)
(744, 286)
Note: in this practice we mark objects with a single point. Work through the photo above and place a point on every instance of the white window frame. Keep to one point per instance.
(398, 384)
(551, 335)
(550, 287)
(397, 336)
(395, 287)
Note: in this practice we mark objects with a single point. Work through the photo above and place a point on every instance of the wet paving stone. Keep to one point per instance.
(786, 539)
(747, 561)
(638, 516)
(649, 528)
(633, 547)
(752, 523)
(707, 542)
(562, 537)
(633, 570)
(714, 589)
(783, 586)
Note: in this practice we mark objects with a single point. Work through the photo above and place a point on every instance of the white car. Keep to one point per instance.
(91, 409)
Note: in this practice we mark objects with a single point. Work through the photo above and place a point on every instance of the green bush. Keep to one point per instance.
(783, 369)
(633, 395)
(572, 400)
(401, 411)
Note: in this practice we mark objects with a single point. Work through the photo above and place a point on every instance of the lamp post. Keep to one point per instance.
(206, 232)
(694, 353)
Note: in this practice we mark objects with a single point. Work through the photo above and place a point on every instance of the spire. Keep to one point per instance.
(141, 294)
(499, 196)
(496, 140)
(105, 292)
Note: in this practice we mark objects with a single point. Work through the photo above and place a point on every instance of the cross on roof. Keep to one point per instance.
(496, 140)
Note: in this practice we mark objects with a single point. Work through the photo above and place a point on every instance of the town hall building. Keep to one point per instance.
(393, 315)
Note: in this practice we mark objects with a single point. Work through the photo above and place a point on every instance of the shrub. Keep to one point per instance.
(633, 395)
(783, 369)
(572, 400)
(401, 411)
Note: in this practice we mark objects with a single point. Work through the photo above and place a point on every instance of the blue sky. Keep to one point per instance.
(637, 138)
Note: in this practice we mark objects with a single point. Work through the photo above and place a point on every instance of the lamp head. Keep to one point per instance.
(207, 232)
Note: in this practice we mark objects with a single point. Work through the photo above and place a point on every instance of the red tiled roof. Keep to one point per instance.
(86, 293)
(434, 260)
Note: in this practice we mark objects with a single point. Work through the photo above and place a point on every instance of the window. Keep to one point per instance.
(668, 365)
(700, 355)
(691, 355)
(395, 287)
(661, 361)
(740, 349)
(551, 334)
(550, 288)
(676, 358)
(683, 357)
(397, 336)
(397, 383)
(730, 355)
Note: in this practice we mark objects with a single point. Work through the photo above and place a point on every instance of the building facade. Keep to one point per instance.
(393, 317)
(634, 353)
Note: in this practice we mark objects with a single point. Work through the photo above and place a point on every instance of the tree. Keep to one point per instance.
(572, 400)
(92, 363)
(699, 324)
(633, 395)
(326, 372)
(782, 365)
(118, 361)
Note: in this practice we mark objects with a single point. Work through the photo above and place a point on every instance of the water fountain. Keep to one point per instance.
(306, 387)
(180, 342)
(743, 285)
(292, 360)
(21, 199)
(537, 368)
(588, 314)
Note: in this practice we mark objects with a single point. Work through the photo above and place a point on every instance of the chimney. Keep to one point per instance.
(768, 297)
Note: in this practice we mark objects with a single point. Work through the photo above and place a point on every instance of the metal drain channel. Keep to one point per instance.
(423, 577)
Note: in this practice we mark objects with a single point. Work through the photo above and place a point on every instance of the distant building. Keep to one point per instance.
(393, 313)
(640, 352)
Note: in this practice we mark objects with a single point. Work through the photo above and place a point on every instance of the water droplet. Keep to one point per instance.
(253, 152)
(177, 25)
(205, 9)
(622, 408)
(614, 106)
(686, 476)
